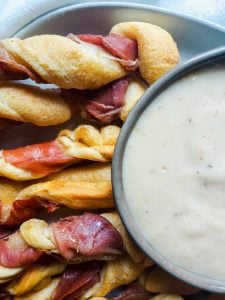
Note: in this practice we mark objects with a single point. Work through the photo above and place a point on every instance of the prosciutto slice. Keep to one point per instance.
(77, 279)
(116, 44)
(134, 291)
(24, 209)
(105, 104)
(87, 236)
(11, 69)
(14, 252)
(41, 158)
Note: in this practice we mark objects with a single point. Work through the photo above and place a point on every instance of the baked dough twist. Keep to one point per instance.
(26, 103)
(72, 189)
(68, 64)
(33, 276)
(31, 282)
(71, 64)
(39, 235)
(86, 142)
(86, 187)
(157, 50)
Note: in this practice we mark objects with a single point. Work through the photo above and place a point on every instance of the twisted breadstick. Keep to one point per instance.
(26, 103)
(107, 281)
(76, 238)
(33, 276)
(86, 187)
(68, 64)
(39, 235)
(157, 50)
(83, 63)
(115, 273)
(39, 160)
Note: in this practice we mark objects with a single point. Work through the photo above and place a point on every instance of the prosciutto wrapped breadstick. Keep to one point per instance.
(35, 161)
(77, 281)
(76, 238)
(86, 187)
(64, 237)
(157, 51)
(34, 276)
(123, 270)
(90, 61)
(26, 103)
(109, 103)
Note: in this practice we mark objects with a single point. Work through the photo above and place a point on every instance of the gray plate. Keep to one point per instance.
(192, 35)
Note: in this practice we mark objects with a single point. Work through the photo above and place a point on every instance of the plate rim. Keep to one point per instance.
(116, 4)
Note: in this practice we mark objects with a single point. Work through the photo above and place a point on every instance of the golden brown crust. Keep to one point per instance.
(75, 195)
(43, 294)
(68, 64)
(116, 273)
(33, 276)
(157, 50)
(93, 172)
(159, 281)
(86, 187)
(134, 92)
(134, 252)
(89, 142)
(9, 190)
(26, 103)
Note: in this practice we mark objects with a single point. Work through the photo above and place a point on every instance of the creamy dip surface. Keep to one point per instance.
(174, 173)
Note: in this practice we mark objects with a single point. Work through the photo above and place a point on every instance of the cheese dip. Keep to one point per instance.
(174, 173)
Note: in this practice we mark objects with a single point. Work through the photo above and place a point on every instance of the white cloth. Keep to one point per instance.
(14, 14)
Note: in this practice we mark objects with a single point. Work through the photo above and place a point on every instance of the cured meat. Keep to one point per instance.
(41, 158)
(116, 44)
(14, 252)
(24, 209)
(88, 235)
(12, 69)
(77, 279)
(86, 142)
(105, 104)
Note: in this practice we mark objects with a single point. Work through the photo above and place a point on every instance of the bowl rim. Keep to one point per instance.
(117, 164)
(116, 4)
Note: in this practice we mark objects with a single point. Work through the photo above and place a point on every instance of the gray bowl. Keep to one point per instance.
(211, 57)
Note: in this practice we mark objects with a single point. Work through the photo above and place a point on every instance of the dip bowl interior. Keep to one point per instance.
(207, 59)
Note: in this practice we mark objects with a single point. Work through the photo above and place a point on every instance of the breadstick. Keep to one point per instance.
(80, 281)
(76, 238)
(35, 161)
(157, 50)
(26, 103)
(86, 187)
(87, 61)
